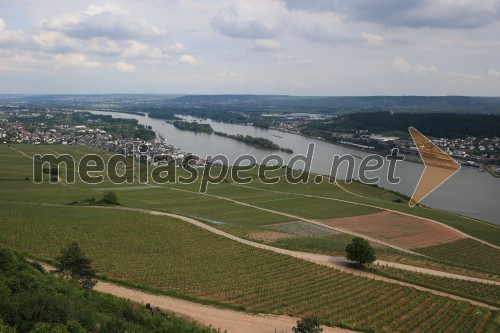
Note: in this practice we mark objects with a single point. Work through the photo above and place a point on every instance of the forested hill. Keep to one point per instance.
(433, 124)
(340, 104)
(261, 103)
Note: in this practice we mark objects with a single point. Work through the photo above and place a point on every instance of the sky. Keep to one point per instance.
(294, 47)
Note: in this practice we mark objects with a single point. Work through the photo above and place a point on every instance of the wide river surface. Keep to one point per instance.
(469, 192)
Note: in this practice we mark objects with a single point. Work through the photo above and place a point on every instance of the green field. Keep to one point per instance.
(160, 252)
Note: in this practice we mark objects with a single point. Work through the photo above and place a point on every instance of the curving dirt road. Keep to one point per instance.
(230, 321)
(226, 320)
(320, 259)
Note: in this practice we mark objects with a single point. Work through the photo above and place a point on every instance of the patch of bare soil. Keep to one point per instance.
(269, 236)
(398, 229)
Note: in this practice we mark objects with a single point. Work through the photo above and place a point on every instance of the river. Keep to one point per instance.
(469, 192)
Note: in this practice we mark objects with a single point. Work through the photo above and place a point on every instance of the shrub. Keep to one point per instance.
(307, 325)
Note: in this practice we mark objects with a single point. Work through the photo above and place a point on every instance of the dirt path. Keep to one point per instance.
(231, 321)
(226, 320)
(21, 152)
(320, 259)
(433, 272)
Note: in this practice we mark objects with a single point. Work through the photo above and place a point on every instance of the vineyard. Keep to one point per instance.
(468, 253)
(331, 245)
(315, 208)
(192, 203)
(177, 257)
(182, 260)
(481, 291)
(380, 197)
(303, 229)
(369, 191)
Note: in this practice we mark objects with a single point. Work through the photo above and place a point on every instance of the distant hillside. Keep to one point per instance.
(433, 124)
(267, 103)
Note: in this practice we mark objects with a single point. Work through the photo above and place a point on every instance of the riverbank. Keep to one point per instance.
(469, 192)
(491, 172)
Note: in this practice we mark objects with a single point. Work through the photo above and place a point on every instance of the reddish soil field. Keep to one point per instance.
(398, 229)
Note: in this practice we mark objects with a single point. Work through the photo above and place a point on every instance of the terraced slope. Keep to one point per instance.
(181, 259)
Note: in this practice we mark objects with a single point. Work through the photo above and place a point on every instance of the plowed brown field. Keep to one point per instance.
(398, 229)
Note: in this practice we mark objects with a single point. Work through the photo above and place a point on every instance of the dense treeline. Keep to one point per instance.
(34, 301)
(216, 113)
(163, 115)
(258, 142)
(339, 104)
(193, 126)
(433, 124)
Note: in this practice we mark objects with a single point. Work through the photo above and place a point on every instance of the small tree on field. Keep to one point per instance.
(74, 264)
(110, 198)
(360, 251)
(307, 325)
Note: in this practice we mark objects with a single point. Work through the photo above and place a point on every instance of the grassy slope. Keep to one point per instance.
(160, 252)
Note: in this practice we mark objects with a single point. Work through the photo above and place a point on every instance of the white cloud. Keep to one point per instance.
(77, 60)
(106, 8)
(228, 73)
(102, 46)
(243, 20)
(419, 70)
(124, 67)
(18, 62)
(265, 45)
(330, 51)
(176, 48)
(137, 49)
(285, 59)
(409, 69)
(187, 60)
(53, 41)
(493, 72)
(103, 21)
(56, 42)
(372, 39)
(10, 38)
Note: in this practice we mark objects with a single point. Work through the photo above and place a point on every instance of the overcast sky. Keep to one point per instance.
(297, 47)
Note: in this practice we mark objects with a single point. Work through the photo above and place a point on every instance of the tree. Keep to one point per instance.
(360, 251)
(307, 325)
(110, 198)
(74, 264)
(186, 162)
